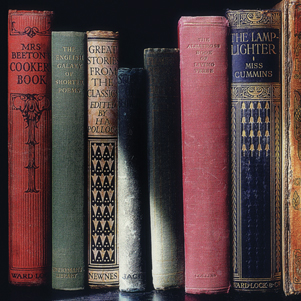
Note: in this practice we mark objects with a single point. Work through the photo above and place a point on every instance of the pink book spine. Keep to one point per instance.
(205, 147)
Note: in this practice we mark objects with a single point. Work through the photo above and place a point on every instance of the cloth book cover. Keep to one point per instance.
(29, 146)
(68, 159)
(256, 148)
(164, 166)
(133, 209)
(205, 109)
(102, 70)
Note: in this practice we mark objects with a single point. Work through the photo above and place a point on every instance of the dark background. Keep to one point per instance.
(141, 24)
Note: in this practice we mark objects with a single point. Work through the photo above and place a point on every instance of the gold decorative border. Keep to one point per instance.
(255, 91)
(250, 19)
(234, 185)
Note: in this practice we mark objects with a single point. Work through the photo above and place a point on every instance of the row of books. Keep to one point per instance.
(141, 163)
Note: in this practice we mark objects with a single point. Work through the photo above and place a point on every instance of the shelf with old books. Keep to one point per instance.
(152, 152)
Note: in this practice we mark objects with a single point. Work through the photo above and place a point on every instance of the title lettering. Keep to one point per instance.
(252, 43)
(102, 88)
(25, 69)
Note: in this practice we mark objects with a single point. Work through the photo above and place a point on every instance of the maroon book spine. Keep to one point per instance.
(205, 151)
(29, 143)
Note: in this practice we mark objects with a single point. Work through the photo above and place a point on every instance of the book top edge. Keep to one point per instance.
(127, 69)
(67, 33)
(252, 10)
(29, 12)
(161, 50)
(204, 20)
(251, 18)
(106, 34)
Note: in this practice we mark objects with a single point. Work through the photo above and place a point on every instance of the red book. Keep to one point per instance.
(29, 142)
(205, 147)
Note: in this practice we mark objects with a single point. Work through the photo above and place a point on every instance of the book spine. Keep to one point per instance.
(164, 166)
(205, 147)
(291, 180)
(256, 149)
(132, 179)
(68, 159)
(102, 52)
(29, 144)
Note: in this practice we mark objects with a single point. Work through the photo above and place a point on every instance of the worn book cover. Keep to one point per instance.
(29, 145)
(291, 143)
(255, 47)
(205, 109)
(102, 70)
(164, 166)
(132, 181)
(68, 159)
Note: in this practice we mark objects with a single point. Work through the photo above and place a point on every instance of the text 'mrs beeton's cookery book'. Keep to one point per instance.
(205, 148)
(29, 146)
(68, 159)
(102, 70)
(256, 148)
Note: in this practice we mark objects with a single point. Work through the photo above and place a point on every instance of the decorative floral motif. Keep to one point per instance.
(31, 106)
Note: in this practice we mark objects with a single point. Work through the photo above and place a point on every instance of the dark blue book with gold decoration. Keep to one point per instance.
(256, 148)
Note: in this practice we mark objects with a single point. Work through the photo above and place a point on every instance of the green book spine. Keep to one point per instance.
(68, 159)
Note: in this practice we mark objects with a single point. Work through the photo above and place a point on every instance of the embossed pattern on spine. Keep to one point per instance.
(102, 51)
(29, 143)
(256, 149)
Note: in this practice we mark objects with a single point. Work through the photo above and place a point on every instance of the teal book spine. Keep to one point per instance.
(68, 159)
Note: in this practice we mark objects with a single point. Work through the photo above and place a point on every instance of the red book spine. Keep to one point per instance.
(29, 142)
(205, 146)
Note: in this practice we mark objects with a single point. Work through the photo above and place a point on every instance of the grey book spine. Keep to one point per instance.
(164, 166)
(132, 179)
(68, 159)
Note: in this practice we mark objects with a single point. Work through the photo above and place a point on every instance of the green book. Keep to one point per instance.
(68, 159)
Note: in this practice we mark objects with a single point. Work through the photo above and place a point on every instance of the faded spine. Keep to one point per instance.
(291, 143)
(164, 166)
(102, 51)
(68, 159)
(205, 153)
(132, 180)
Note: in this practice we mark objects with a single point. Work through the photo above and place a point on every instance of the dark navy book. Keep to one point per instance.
(256, 148)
